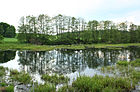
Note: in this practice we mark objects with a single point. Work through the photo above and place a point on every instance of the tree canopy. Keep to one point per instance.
(7, 30)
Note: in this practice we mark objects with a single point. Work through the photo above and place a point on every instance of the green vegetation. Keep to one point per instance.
(20, 76)
(2, 71)
(135, 63)
(3, 84)
(7, 55)
(66, 30)
(10, 40)
(124, 63)
(55, 79)
(13, 44)
(100, 84)
(1, 38)
(45, 88)
(126, 76)
(7, 30)
(124, 69)
(9, 88)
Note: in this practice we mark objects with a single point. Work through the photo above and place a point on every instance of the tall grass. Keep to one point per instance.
(100, 84)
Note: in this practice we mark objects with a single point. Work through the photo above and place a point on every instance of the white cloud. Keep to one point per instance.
(12, 10)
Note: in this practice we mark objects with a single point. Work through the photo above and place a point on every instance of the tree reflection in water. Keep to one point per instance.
(65, 61)
(7, 55)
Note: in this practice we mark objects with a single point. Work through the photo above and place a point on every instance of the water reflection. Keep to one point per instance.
(69, 61)
(6, 56)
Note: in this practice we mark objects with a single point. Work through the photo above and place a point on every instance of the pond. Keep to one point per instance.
(68, 62)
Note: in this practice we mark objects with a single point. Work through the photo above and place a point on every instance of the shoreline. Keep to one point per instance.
(19, 46)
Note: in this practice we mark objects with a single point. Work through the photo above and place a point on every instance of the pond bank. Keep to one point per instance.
(19, 46)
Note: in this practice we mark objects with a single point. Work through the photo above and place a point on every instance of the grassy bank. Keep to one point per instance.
(12, 43)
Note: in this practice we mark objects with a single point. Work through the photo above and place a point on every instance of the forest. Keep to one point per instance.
(61, 29)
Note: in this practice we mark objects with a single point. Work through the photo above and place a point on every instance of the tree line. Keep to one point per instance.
(62, 29)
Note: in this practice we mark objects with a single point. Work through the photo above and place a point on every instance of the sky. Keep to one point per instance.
(115, 10)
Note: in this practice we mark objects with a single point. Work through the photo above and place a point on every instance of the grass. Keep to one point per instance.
(12, 43)
(135, 63)
(124, 63)
(55, 79)
(99, 84)
(2, 71)
(125, 69)
(22, 77)
(9, 89)
(44, 88)
(10, 40)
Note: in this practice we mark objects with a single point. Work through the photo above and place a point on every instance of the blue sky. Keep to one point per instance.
(115, 10)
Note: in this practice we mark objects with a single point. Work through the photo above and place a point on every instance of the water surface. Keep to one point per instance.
(71, 63)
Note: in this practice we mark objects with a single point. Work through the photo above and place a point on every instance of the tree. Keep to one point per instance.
(133, 33)
(62, 29)
(7, 30)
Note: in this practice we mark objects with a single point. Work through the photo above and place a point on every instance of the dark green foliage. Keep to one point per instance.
(33, 38)
(6, 56)
(3, 84)
(1, 37)
(7, 30)
(22, 37)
